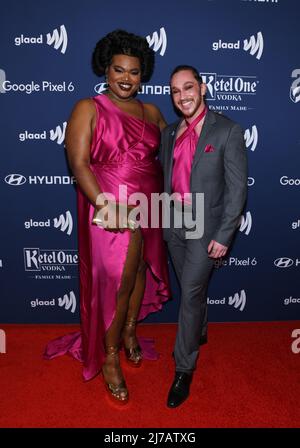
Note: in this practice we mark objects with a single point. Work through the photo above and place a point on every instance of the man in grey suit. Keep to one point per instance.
(203, 152)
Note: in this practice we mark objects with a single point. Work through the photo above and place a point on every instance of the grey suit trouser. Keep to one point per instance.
(193, 268)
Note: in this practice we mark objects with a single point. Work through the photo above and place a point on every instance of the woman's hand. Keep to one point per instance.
(114, 217)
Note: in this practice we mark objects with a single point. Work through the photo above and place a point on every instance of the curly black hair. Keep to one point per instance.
(122, 42)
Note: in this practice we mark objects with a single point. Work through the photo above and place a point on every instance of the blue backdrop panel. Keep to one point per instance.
(248, 54)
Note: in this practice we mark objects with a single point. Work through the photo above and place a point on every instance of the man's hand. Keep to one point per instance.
(216, 250)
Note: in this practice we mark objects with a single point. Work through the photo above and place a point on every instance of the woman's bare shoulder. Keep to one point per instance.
(155, 115)
(84, 106)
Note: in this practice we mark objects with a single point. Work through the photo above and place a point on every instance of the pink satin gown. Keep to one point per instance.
(123, 151)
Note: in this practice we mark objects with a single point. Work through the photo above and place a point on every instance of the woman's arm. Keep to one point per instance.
(78, 142)
(156, 116)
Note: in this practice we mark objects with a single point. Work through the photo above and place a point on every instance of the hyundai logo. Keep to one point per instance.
(15, 179)
(283, 262)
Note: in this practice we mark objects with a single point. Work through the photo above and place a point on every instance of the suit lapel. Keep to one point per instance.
(207, 128)
(170, 145)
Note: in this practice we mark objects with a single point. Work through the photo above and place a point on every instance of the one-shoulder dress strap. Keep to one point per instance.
(144, 124)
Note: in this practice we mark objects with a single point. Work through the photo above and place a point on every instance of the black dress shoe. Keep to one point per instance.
(180, 389)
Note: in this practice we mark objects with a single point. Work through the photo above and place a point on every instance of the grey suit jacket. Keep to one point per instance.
(221, 175)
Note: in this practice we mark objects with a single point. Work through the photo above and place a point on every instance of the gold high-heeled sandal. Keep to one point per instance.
(133, 355)
(118, 393)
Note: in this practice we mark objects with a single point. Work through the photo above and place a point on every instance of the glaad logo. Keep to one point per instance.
(284, 262)
(2, 341)
(68, 301)
(58, 134)
(296, 225)
(296, 343)
(295, 87)
(158, 42)
(58, 39)
(255, 45)
(251, 138)
(64, 223)
(2, 80)
(246, 223)
(238, 300)
(289, 300)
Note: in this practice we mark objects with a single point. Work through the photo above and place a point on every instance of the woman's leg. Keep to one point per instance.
(111, 369)
(132, 349)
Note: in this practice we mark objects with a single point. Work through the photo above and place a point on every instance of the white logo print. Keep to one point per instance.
(255, 45)
(228, 87)
(65, 224)
(36, 259)
(2, 341)
(68, 301)
(246, 223)
(58, 39)
(251, 138)
(2, 80)
(262, 1)
(283, 262)
(238, 300)
(59, 133)
(296, 343)
(295, 87)
(15, 179)
(158, 43)
(99, 88)
(251, 181)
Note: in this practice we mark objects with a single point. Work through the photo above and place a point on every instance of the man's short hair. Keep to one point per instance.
(195, 72)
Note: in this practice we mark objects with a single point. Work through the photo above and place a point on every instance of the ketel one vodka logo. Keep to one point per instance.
(58, 39)
(37, 260)
(229, 87)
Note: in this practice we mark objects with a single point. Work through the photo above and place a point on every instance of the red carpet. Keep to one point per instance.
(247, 376)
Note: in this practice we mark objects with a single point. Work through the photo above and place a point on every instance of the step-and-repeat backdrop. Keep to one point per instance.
(248, 54)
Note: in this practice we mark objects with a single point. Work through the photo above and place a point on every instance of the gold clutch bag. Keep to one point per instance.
(123, 210)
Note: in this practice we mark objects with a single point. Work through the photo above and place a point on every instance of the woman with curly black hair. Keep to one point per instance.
(112, 140)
